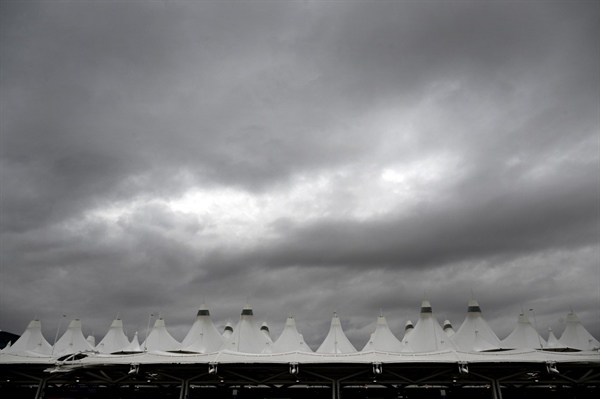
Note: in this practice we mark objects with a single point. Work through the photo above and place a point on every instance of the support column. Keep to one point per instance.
(39, 394)
(496, 390)
(185, 387)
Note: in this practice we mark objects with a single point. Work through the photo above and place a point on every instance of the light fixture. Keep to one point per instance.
(135, 368)
(294, 368)
(551, 368)
(377, 368)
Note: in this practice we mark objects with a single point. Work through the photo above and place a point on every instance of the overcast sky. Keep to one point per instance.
(307, 157)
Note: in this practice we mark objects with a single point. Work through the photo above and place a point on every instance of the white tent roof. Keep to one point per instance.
(290, 339)
(115, 339)
(553, 342)
(228, 330)
(7, 347)
(382, 339)
(448, 329)
(428, 334)
(336, 341)
(72, 341)
(228, 357)
(32, 340)
(523, 336)
(475, 334)
(134, 346)
(576, 336)
(408, 328)
(264, 328)
(159, 338)
(246, 337)
(203, 337)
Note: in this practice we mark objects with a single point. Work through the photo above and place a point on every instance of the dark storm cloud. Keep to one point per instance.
(141, 97)
(110, 111)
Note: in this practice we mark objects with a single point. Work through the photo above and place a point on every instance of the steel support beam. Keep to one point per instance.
(39, 394)
(184, 392)
(496, 390)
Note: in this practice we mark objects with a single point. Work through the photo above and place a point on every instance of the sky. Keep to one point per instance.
(306, 157)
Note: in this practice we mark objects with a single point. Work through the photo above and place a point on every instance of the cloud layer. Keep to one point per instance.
(309, 157)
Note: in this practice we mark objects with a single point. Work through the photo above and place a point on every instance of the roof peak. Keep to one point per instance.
(426, 307)
(247, 310)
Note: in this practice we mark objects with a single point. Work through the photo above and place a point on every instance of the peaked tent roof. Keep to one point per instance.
(159, 338)
(228, 330)
(576, 336)
(408, 328)
(32, 340)
(203, 337)
(336, 341)
(523, 336)
(448, 329)
(553, 342)
(475, 334)
(264, 328)
(72, 341)
(427, 335)
(115, 339)
(382, 339)
(246, 337)
(290, 339)
(134, 346)
(7, 347)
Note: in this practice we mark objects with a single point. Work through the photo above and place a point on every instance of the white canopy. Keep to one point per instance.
(246, 337)
(523, 336)
(576, 336)
(72, 341)
(383, 339)
(134, 346)
(203, 337)
(290, 339)
(228, 330)
(448, 329)
(115, 339)
(159, 338)
(475, 334)
(553, 342)
(427, 335)
(408, 328)
(336, 341)
(32, 340)
(264, 328)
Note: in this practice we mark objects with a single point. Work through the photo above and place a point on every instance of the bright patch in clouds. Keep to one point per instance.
(393, 176)
(231, 212)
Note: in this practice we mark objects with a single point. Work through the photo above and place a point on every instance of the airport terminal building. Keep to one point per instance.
(432, 360)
